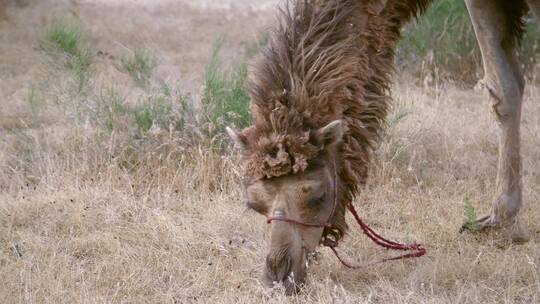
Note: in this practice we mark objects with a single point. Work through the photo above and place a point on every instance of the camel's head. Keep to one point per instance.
(306, 196)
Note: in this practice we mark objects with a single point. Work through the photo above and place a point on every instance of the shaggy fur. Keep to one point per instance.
(326, 60)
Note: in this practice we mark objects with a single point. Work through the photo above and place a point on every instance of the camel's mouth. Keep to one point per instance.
(289, 273)
(289, 279)
(312, 258)
(286, 272)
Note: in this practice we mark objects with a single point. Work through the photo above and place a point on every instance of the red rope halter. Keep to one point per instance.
(417, 249)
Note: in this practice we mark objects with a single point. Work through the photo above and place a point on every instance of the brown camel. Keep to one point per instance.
(320, 93)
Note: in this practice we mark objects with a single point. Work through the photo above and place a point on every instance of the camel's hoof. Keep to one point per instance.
(516, 232)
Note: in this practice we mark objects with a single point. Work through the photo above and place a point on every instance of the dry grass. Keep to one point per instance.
(94, 216)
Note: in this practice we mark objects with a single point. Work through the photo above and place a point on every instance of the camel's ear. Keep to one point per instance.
(239, 140)
(331, 133)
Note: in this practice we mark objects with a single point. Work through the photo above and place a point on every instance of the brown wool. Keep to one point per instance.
(326, 60)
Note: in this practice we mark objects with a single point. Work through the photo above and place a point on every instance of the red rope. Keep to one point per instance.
(288, 220)
(418, 249)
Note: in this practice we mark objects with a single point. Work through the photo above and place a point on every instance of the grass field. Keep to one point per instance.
(117, 184)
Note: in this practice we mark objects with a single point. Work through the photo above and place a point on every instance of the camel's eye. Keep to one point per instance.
(316, 202)
(259, 208)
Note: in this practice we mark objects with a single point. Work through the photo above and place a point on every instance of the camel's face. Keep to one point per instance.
(290, 202)
(306, 198)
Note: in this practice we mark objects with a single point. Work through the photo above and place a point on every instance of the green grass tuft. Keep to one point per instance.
(152, 112)
(155, 112)
(470, 215)
(65, 42)
(66, 37)
(111, 107)
(140, 65)
(224, 98)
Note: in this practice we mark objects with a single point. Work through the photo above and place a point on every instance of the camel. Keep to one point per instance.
(320, 92)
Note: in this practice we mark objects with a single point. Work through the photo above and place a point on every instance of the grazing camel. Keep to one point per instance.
(320, 92)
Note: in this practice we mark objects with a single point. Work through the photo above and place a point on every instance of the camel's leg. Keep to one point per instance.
(534, 6)
(504, 80)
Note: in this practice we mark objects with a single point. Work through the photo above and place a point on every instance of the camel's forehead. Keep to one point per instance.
(294, 186)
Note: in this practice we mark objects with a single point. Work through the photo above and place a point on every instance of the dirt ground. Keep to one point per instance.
(179, 232)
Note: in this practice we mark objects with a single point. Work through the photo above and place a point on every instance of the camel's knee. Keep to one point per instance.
(506, 98)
